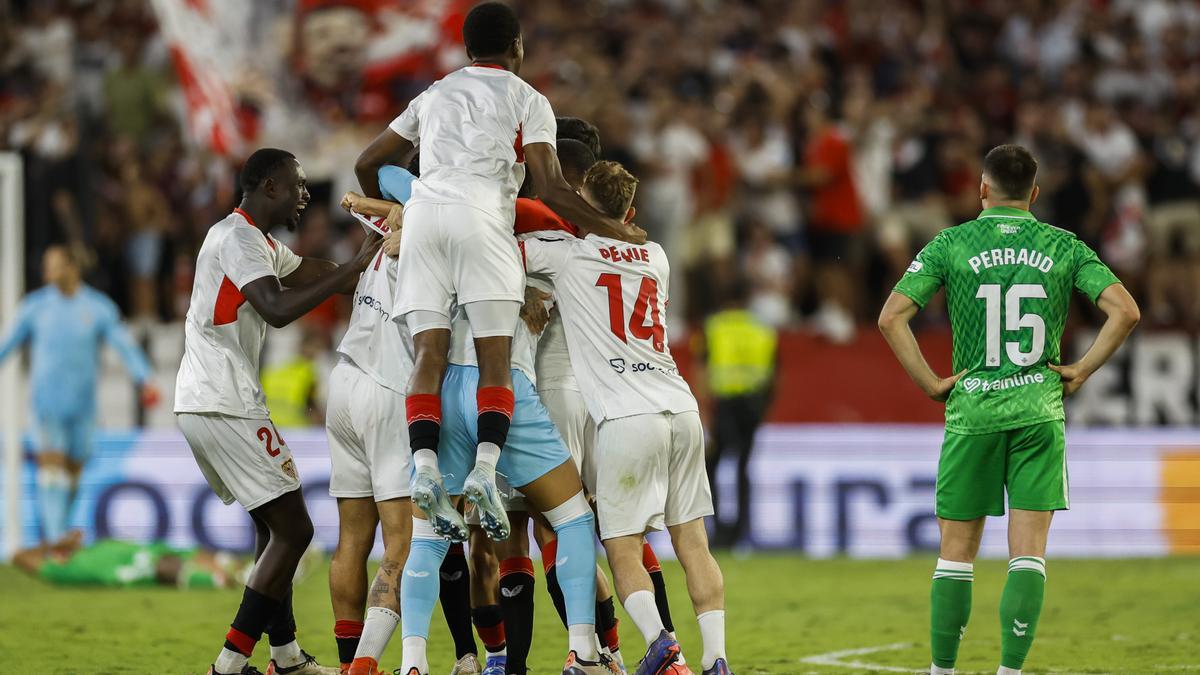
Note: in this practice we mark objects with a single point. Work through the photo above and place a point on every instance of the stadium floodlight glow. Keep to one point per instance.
(12, 283)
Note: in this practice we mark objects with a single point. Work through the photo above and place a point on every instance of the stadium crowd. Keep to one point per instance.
(807, 147)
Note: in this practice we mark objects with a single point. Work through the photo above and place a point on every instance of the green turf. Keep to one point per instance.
(1101, 617)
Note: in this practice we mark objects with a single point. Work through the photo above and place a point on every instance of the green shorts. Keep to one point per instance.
(1030, 462)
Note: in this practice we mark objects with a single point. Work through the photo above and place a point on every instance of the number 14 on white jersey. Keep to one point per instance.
(613, 298)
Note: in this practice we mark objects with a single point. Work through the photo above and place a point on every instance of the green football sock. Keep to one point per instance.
(950, 601)
(1020, 607)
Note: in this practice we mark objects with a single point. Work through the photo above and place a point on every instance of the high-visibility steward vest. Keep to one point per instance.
(741, 353)
(288, 388)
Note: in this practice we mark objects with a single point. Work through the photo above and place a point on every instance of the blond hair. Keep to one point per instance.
(611, 188)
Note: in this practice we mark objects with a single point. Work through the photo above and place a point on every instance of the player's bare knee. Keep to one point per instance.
(483, 557)
(296, 533)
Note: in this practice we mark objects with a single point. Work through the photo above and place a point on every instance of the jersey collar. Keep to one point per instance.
(486, 65)
(245, 215)
(1005, 212)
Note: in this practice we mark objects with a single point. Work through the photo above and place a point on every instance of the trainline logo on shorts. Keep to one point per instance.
(973, 384)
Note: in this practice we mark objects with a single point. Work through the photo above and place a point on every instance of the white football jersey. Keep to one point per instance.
(471, 127)
(553, 359)
(223, 334)
(379, 346)
(613, 298)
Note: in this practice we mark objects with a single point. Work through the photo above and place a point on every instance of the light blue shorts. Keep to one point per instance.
(534, 445)
(71, 435)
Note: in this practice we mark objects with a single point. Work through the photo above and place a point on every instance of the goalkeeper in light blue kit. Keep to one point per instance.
(65, 323)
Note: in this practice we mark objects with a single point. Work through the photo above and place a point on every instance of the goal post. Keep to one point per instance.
(12, 393)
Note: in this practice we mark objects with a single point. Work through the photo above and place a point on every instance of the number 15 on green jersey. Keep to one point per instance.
(1008, 282)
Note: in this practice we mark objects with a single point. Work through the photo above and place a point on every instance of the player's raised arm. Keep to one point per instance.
(280, 306)
(553, 189)
(1123, 314)
(389, 147)
(893, 323)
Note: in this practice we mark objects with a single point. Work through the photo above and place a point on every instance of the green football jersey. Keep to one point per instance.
(1008, 282)
(109, 562)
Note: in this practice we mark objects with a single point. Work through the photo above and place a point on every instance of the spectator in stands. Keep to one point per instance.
(1173, 225)
(918, 210)
(147, 215)
(768, 270)
(835, 220)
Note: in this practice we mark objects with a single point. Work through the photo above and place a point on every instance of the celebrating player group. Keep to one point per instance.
(506, 362)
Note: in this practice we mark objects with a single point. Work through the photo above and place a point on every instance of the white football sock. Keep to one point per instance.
(414, 655)
(581, 639)
(712, 633)
(229, 661)
(934, 669)
(486, 456)
(377, 631)
(641, 608)
(426, 458)
(503, 651)
(1007, 671)
(286, 656)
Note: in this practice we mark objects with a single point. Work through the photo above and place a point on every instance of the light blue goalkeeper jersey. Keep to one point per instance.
(65, 334)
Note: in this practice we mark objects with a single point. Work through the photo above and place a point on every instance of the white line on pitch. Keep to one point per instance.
(835, 658)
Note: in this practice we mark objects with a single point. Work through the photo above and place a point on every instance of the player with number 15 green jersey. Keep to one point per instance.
(1008, 280)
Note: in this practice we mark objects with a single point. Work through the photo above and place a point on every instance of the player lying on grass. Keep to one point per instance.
(1008, 281)
(478, 128)
(246, 279)
(368, 448)
(126, 564)
(66, 322)
(650, 443)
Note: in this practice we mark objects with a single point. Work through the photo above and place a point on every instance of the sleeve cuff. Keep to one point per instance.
(254, 276)
(912, 296)
(1095, 297)
(537, 138)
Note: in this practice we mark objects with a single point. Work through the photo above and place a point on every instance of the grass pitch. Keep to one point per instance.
(786, 615)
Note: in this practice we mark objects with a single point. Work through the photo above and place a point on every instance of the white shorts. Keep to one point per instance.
(651, 473)
(569, 413)
(368, 437)
(244, 460)
(454, 253)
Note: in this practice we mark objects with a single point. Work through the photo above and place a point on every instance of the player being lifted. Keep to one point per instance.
(650, 445)
(477, 128)
(1008, 282)
(219, 402)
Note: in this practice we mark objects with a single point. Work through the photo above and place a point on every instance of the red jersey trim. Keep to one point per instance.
(487, 65)
(229, 301)
(270, 242)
